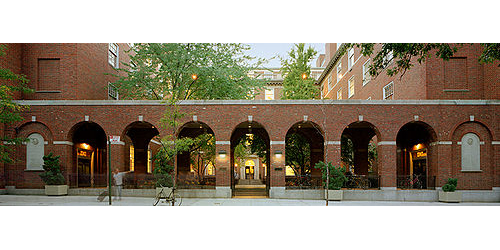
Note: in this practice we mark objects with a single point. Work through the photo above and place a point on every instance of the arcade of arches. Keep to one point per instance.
(281, 142)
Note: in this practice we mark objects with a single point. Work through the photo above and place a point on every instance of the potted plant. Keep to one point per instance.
(448, 193)
(55, 184)
(162, 174)
(336, 180)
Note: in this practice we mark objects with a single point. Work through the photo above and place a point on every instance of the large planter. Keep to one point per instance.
(56, 189)
(335, 195)
(450, 196)
(166, 191)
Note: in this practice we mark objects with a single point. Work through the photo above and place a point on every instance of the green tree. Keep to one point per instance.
(202, 154)
(397, 58)
(297, 83)
(53, 174)
(181, 71)
(298, 153)
(9, 110)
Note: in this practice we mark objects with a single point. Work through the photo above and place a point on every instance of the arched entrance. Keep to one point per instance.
(304, 147)
(250, 145)
(359, 155)
(138, 152)
(196, 168)
(415, 156)
(89, 155)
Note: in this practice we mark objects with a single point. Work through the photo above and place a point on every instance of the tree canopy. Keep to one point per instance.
(397, 58)
(10, 111)
(181, 71)
(297, 83)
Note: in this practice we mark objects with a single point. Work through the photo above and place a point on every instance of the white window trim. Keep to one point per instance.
(116, 65)
(349, 55)
(266, 91)
(384, 96)
(349, 94)
(339, 91)
(111, 86)
(366, 74)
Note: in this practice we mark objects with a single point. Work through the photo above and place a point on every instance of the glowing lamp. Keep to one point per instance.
(278, 154)
(222, 154)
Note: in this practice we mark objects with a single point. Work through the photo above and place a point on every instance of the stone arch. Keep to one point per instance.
(88, 156)
(481, 178)
(305, 140)
(416, 155)
(40, 144)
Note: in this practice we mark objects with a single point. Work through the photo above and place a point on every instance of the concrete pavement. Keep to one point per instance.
(41, 200)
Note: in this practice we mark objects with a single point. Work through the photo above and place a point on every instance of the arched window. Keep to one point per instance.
(470, 152)
(35, 150)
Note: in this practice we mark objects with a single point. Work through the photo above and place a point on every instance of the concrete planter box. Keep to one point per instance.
(166, 191)
(335, 195)
(56, 189)
(450, 196)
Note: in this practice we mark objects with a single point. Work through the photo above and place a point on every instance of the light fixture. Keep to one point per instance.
(194, 76)
(222, 154)
(304, 76)
(85, 146)
(278, 154)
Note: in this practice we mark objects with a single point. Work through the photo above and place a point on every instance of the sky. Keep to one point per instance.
(269, 50)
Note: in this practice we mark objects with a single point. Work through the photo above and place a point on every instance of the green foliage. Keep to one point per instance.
(294, 86)
(10, 83)
(202, 153)
(163, 170)
(298, 153)
(403, 53)
(52, 167)
(250, 145)
(161, 71)
(335, 174)
(347, 151)
(451, 185)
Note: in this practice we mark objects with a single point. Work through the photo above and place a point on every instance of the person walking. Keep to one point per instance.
(118, 177)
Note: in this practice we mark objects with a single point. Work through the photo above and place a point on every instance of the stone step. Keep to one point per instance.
(249, 182)
(248, 191)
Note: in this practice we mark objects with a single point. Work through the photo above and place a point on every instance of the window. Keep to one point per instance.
(268, 75)
(369, 98)
(350, 61)
(131, 155)
(269, 94)
(388, 59)
(113, 50)
(338, 45)
(339, 94)
(112, 91)
(366, 72)
(339, 72)
(35, 149)
(471, 152)
(350, 90)
(329, 82)
(389, 91)
(49, 75)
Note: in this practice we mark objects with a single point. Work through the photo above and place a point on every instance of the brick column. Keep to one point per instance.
(442, 161)
(496, 165)
(332, 153)
(222, 170)
(277, 171)
(387, 166)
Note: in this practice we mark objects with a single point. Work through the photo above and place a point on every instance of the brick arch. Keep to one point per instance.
(361, 133)
(71, 132)
(35, 127)
(483, 179)
(203, 124)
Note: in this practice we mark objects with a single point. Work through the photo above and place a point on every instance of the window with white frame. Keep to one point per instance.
(369, 98)
(112, 91)
(113, 50)
(350, 89)
(329, 82)
(269, 94)
(339, 72)
(35, 149)
(339, 94)
(388, 59)
(350, 61)
(366, 72)
(389, 91)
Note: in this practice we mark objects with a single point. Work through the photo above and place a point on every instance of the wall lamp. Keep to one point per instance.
(278, 154)
(222, 154)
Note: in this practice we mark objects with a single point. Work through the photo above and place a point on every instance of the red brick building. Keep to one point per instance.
(442, 138)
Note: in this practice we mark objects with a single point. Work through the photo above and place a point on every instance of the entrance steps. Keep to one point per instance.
(249, 182)
(250, 191)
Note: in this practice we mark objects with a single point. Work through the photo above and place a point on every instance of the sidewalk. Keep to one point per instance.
(41, 200)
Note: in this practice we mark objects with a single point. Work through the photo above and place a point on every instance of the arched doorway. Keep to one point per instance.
(415, 156)
(359, 155)
(304, 147)
(89, 155)
(250, 144)
(138, 152)
(196, 167)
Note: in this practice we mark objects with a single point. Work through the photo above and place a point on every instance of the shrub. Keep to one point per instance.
(163, 171)
(451, 185)
(336, 175)
(52, 174)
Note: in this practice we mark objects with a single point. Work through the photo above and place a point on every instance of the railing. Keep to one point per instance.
(362, 182)
(416, 182)
(206, 182)
(303, 182)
